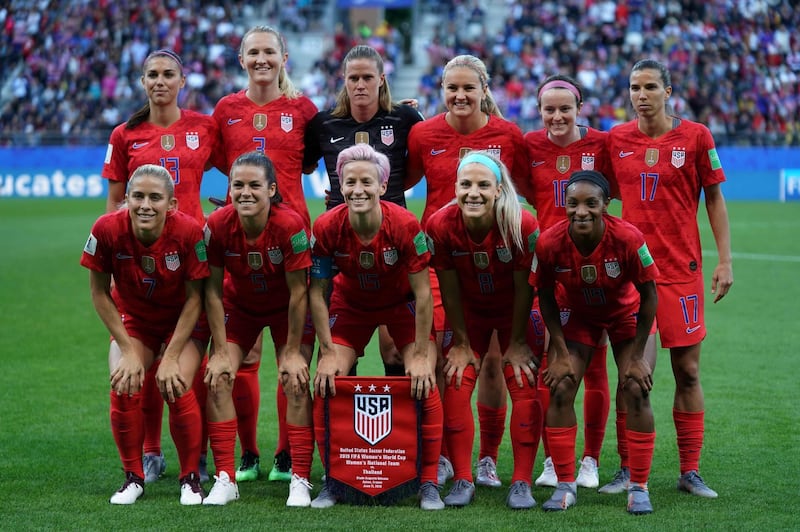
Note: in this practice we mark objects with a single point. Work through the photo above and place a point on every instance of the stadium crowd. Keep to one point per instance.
(71, 69)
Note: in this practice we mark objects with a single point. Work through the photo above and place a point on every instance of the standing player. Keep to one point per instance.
(482, 246)
(364, 114)
(262, 246)
(381, 254)
(435, 147)
(556, 151)
(594, 273)
(182, 141)
(157, 258)
(270, 116)
(662, 163)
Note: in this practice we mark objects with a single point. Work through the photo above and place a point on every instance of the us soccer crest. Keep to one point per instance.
(275, 255)
(494, 149)
(589, 273)
(255, 260)
(259, 121)
(192, 140)
(564, 316)
(387, 135)
(287, 122)
(587, 161)
(651, 156)
(168, 142)
(173, 261)
(504, 254)
(612, 269)
(148, 264)
(390, 256)
(362, 137)
(563, 163)
(372, 418)
(366, 259)
(481, 259)
(678, 157)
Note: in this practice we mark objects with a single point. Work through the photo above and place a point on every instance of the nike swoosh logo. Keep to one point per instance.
(137, 145)
(334, 140)
(624, 154)
(536, 163)
(437, 152)
(559, 269)
(460, 253)
(232, 121)
(690, 330)
(232, 254)
(337, 254)
(122, 256)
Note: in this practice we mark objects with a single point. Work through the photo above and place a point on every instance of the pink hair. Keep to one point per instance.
(364, 152)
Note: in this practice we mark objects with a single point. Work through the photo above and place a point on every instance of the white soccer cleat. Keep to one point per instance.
(299, 492)
(223, 491)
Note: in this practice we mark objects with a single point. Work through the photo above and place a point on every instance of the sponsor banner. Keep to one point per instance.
(790, 184)
(372, 439)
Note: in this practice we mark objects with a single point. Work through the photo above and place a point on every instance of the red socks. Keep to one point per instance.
(641, 445)
(460, 424)
(222, 437)
(246, 399)
(596, 403)
(690, 427)
(622, 438)
(127, 426)
(301, 443)
(525, 426)
(283, 433)
(185, 426)
(432, 419)
(562, 449)
(152, 410)
(492, 423)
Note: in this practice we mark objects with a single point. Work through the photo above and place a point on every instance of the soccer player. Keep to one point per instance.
(271, 116)
(556, 151)
(482, 245)
(472, 122)
(182, 141)
(662, 163)
(594, 273)
(364, 114)
(157, 258)
(382, 257)
(260, 248)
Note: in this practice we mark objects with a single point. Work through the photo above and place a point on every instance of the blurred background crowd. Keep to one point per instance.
(70, 70)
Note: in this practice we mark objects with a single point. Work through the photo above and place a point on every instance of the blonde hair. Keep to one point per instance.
(154, 170)
(488, 105)
(362, 51)
(285, 84)
(507, 209)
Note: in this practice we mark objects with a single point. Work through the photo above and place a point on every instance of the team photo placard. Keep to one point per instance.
(372, 439)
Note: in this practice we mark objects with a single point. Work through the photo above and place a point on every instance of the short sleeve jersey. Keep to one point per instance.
(485, 269)
(387, 132)
(256, 271)
(184, 148)
(551, 166)
(435, 149)
(372, 276)
(660, 181)
(148, 280)
(602, 285)
(276, 128)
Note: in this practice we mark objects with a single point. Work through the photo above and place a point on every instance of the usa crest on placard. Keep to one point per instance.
(373, 416)
(613, 269)
(287, 122)
(678, 157)
(173, 261)
(390, 256)
(192, 140)
(387, 135)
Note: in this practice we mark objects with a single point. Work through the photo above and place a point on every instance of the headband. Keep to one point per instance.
(561, 84)
(488, 162)
(593, 177)
(165, 52)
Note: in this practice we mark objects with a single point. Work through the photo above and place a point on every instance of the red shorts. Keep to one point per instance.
(353, 327)
(589, 331)
(154, 335)
(680, 314)
(480, 329)
(242, 328)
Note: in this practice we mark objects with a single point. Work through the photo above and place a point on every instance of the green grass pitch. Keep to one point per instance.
(59, 464)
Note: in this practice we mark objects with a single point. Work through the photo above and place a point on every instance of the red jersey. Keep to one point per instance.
(371, 276)
(660, 181)
(435, 149)
(485, 269)
(256, 272)
(277, 129)
(551, 166)
(184, 148)
(148, 280)
(600, 286)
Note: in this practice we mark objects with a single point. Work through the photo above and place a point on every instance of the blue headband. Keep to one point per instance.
(488, 162)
